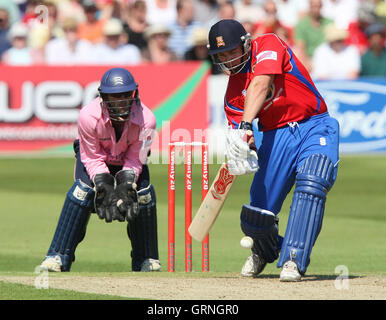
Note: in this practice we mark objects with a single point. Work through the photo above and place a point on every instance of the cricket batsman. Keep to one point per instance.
(269, 90)
(111, 177)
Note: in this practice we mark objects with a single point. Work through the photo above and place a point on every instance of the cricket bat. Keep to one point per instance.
(212, 204)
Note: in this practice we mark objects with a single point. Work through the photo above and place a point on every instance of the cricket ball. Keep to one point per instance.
(246, 242)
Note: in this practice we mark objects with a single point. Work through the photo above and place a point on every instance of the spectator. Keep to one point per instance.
(54, 26)
(309, 33)
(341, 12)
(182, 28)
(136, 24)
(226, 10)
(249, 25)
(108, 9)
(70, 8)
(69, 50)
(92, 28)
(31, 14)
(290, 11)
(373, 62)
(157, 51)
(246, 10)
(380, 10)
(13, 10)
(5, 44)
(199, 51)
(206, 12)
(20, 54)
(161, 11)
(40, 33)
(115, 49)
(334, 59)
(356, 29)
(271, 24)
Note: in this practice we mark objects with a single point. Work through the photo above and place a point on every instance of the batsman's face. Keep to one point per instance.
(231, 58)
(232, 61)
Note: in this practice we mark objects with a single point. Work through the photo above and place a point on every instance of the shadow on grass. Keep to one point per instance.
(22, 263)
(318, 277)
(307, 277)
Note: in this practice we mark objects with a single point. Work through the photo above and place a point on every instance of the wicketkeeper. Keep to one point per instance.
(115, 133)
(269, 90)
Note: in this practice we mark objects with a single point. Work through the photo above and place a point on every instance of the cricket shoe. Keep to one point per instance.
(253, 266)
(150, 265)
(52, 263)
(290, 272)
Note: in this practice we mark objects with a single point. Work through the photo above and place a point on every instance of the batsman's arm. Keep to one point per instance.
(256, 94)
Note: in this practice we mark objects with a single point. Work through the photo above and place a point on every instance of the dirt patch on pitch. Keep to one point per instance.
(232, 287)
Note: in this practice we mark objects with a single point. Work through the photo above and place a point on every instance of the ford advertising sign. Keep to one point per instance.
(360, 108)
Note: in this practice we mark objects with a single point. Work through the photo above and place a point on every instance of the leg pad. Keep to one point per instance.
(142, 230)
(72, 223)
(313, 181)
(262, 226)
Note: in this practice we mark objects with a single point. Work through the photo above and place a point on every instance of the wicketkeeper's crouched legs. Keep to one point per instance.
(142, 232)
(71, 227)
(313, 181)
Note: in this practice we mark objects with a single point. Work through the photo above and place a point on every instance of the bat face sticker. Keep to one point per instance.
(223, 181)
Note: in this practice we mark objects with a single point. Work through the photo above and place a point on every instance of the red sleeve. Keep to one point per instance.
(269, 56)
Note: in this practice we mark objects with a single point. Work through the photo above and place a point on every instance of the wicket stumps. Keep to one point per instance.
(188, 149)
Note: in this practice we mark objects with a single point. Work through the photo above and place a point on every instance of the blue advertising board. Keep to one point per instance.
(360, 108)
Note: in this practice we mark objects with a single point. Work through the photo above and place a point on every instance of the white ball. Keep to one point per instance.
(246, 242)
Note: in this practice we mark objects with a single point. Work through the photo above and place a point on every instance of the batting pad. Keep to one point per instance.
(72, 223)
(262, 226)
(313, 182)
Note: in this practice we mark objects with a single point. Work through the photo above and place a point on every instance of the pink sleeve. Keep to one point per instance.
(138, 151)
(92, 155)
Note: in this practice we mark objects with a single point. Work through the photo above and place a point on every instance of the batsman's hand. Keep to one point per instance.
(241, 158)
(126, 191)
(105, 198)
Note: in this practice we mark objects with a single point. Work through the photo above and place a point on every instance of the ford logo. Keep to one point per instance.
(360, 108)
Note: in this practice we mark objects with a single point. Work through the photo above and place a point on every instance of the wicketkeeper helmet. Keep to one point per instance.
(120, 83)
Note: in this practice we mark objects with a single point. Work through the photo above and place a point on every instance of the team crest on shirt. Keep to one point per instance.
(220, 42)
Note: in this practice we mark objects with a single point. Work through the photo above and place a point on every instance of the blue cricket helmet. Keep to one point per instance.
(226, 35)
(117, 80)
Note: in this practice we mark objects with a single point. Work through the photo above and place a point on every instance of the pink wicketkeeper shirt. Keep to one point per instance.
(98, 145)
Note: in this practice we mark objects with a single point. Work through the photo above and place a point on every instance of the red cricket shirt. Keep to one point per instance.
(292, 96)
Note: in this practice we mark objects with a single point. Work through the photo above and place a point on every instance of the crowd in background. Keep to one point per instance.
(335, 39)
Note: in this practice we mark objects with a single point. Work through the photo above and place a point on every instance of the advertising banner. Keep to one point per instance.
(360, 108)
(358, 105)
(39, 105)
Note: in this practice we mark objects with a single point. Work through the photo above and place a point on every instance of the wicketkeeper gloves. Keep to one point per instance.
(105, 198)
(126, 191)
(116, 197)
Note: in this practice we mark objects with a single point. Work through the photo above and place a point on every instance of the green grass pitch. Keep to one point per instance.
(32, 192)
